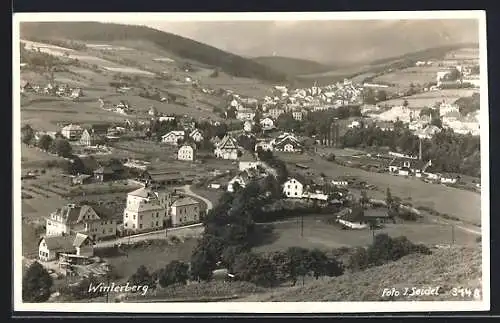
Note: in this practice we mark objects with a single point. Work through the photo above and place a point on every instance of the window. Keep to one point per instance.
(295, 186)
(134, 216)
(157, 214)
(140, 226)
(140, 217)
(133, 226)
(156, 223)
(126, 224)
(103, 231)
(110, 230)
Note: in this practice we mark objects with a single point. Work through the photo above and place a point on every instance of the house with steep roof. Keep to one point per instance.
(287, 143)
(72, 131)
(90, 220)
(267, 124)
(227, 148)
(242, 179)
(90, 138)
(196, 135)
(186, 210)
(50, 248)
(146, 209)
(173, 137)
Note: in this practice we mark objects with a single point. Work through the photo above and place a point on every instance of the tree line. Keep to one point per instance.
(450, 152)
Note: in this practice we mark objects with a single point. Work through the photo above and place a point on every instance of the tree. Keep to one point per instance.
(61, 147)
(406, 103)
(142, 277)
(254, 268)
(364, 200)
(318, 263)
(45, 142)
(388, 197)
(36, 284)
(27, 134)
(174, 272)
(76, 166)
(229, 255)
(358, 259)
(298, 263)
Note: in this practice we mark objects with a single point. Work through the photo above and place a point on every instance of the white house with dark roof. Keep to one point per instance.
(227, 148)
(173, 137)
(287, 143)
(85, 219)
(196, 135)
(185, 211)
(50, 248)
(146, 209)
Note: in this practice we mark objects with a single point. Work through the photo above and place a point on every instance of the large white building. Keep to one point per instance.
(146, 209)
(186, 152)
(292, 188)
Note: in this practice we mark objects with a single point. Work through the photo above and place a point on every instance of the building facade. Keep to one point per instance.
(292, 188)
(146, 210)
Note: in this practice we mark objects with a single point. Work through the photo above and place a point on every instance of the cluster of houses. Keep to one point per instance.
(298, 102)
(74, 228)
(420, 124)
(62, 90)
(467, 76)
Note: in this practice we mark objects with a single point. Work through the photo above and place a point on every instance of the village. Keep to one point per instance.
(155, 175)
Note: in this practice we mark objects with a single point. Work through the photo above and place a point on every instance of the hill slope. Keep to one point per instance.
(292, 66)
(446, 268)
(180, 46)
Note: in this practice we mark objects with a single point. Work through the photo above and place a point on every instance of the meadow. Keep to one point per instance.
(403, 78)
(428, 99)
(466, 205)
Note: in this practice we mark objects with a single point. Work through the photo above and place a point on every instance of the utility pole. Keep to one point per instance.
(302, 225)
(452, 234)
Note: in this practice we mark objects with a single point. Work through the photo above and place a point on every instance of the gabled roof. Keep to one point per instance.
(79, 239)
(288, 140)
(177, 133)
(185, 201)
(228, 142)
(143, 192)
(194, 132)
(72, 127)
(60, 243)
(71, 213)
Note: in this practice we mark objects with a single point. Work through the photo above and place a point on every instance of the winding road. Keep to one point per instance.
(188, 191)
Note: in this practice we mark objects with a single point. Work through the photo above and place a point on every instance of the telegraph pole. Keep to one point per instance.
(302, 226)
(452, 234)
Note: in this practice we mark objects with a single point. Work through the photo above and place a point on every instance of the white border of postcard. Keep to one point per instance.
(257, 307)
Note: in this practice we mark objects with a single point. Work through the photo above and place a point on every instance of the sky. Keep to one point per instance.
(324, 41)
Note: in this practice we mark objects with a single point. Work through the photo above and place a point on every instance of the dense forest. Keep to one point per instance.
(180, 46)
(293, 66)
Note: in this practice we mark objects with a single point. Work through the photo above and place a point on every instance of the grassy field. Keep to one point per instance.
(319, 234)
(428, 99)
(466, 205)
(403, 78)
(447, 268)
(154, 256)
